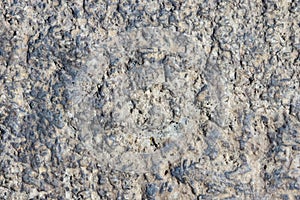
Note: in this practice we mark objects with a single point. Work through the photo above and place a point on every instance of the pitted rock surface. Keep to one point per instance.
(161, 99)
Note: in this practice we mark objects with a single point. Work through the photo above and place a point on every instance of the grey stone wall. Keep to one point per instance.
(160, 99)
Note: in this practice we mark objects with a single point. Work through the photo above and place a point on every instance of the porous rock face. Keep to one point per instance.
(160, 99)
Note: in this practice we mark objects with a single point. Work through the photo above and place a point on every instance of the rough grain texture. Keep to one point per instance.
(160, 99)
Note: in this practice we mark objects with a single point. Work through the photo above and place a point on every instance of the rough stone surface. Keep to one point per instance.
(160, 99)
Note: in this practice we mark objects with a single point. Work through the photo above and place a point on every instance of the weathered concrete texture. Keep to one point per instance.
(161, 99)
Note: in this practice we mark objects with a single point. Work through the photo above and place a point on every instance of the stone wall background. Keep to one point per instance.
(149, 99)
